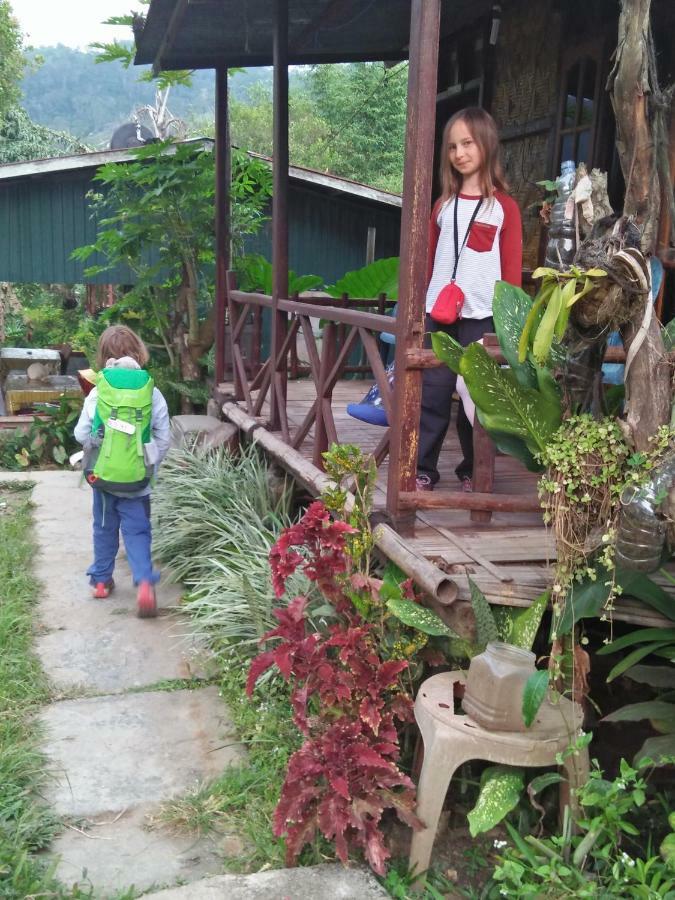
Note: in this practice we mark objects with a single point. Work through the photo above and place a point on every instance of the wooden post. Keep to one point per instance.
(323, 394)
(279, 212)
(417, 181)
(222, 223)
(484, 453)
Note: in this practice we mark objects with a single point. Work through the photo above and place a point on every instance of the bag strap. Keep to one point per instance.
(459, 249)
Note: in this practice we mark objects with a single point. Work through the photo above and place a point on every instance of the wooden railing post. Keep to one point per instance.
(324, 392)
(279, 215)
(233, 311)
(417, 180)
(222, 218)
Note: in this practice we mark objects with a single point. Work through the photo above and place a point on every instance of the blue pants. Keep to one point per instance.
(132, 516)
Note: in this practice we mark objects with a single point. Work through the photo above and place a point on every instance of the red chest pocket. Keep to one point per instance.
(481, 237)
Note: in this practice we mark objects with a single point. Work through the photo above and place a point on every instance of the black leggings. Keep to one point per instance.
(438, 386)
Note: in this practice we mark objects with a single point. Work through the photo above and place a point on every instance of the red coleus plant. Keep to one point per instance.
(345, 699)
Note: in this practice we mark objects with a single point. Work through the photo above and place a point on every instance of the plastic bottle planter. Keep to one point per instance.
(371, 408)
(495, 684)
(642, 530)
(561, 245)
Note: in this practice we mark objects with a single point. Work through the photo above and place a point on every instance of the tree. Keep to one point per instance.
(364, 107)
(11, 58)
(157, 218)
(21, 139)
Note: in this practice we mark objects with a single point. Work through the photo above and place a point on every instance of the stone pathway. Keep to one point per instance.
(123, 739)
(123, 734)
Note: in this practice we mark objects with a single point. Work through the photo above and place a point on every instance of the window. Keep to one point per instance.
(578, 118)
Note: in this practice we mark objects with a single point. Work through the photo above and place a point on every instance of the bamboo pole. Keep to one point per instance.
(429, 577)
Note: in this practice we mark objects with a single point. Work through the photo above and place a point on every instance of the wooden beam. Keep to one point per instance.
(425, 16)
(475, 500)
(429, 577)
(169, 36)
(222, 217)
(279, 210)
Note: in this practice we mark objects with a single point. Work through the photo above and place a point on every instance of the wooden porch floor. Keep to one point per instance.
(509, 558)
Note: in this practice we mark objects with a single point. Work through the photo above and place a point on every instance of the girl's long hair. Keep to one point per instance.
(483, 130)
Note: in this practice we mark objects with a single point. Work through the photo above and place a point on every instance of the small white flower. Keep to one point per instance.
(499, 844)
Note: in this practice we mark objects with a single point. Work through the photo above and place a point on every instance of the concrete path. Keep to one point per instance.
(123, 733)
(120, 737)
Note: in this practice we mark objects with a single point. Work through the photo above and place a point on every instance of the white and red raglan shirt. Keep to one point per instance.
(493, 250)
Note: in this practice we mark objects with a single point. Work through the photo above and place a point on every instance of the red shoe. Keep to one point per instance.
(424, 483)
(146, 601)
(101, 590)
(467, 485)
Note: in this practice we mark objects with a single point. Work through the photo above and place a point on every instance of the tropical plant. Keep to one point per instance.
(594, 856)
(216, 516)
(551, 308)
(660, 711)
(379, 277)
(519, 407)
(48, 441)
(346, 701)
(156, 216)
(255, 274)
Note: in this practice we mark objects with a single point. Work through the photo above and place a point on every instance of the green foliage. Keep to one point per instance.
(22, 139)
(505, 407)
(11, 58)
(255, 275)
(501, 788)
(364, 106)
(418, 617)
(550, 311)
(660, 711)
(216, 518)
(46, 442)
(486, 627)
(589, 861)
(379, 277)
(534, 694)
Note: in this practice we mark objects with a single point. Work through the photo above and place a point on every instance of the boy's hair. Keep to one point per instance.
(483, 130)
(117, 341)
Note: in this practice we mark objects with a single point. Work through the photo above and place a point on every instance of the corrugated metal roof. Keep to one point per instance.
(81, 161)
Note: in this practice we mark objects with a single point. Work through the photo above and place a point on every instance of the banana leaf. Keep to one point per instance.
(379, 277)
(504, 406)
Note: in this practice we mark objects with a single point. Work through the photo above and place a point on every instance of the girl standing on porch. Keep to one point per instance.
(475, 239)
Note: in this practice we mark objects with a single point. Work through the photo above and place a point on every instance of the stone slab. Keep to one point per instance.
(97, 645)
(327, 882)
(112, 753)
(126, 853)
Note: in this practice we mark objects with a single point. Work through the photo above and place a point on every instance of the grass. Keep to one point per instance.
(26, 823)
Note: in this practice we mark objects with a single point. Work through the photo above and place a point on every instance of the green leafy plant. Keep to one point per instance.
(255, 275)
(594, 860)
(551, 309)
(660, 711)
(47, 441)
(379, 277)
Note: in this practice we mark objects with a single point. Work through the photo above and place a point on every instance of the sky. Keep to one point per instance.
(75, 23)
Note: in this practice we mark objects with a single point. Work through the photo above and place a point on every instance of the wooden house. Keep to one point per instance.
(540, 69)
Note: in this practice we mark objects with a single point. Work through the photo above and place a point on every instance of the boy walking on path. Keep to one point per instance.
(124, 429)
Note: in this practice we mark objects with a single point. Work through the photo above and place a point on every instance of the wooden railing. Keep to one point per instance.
(346, 322)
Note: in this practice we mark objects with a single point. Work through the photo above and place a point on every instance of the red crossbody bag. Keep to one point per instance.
(447, 308)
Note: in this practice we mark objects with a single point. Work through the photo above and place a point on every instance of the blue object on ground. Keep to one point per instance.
(371, 408)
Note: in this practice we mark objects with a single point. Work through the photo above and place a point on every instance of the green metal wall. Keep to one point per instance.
(328, 232)
(42, 220)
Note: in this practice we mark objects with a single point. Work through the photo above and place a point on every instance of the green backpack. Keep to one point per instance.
(123, 421)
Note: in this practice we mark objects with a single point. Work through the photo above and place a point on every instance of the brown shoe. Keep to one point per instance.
(424, 483)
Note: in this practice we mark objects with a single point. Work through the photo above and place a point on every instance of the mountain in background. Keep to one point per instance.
(68, 91)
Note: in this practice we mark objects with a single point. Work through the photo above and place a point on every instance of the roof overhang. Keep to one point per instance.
(207, 34)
